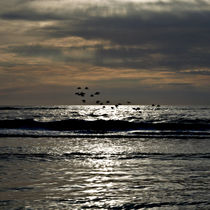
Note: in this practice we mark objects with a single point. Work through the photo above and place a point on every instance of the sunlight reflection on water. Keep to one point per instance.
(91, 172)
(104, 173)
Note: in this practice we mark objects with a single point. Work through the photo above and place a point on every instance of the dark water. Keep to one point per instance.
(124, 121)
(80, 157)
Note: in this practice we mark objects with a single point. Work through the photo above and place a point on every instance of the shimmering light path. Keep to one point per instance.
(129, 157)
(104, 173)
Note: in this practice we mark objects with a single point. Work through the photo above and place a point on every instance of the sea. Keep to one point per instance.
(105, 157)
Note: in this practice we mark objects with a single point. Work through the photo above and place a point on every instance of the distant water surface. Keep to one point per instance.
(127, 121)
(81, 157)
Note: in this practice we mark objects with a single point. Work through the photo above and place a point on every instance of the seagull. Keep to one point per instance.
(137, 108)
(82, 94)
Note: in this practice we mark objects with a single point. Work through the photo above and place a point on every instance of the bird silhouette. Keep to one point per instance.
(82, 94)
(136, 108)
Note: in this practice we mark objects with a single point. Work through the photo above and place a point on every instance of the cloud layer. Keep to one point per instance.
(131, 44)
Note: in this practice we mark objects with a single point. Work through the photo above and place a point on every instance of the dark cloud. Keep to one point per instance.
(171, 36)
(180, 85)
(54, 53)
(35, 51)
(34, 10)
(162, 40)
(160, 30)
(175, 38)
(30, 15)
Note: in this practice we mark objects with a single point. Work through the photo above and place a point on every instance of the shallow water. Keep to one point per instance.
(107, 173)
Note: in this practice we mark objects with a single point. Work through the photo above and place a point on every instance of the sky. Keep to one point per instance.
(144, 51)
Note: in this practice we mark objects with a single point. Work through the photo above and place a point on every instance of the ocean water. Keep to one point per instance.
(125, 157)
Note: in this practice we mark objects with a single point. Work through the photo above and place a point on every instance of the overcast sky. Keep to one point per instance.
(146, 51)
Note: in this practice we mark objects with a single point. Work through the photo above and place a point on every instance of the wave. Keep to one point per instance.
(105, 125)
(120, 156)
(31, 108)
(184, 205)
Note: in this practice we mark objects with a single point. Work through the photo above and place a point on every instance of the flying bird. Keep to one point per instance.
(82, 94)
(137, 108)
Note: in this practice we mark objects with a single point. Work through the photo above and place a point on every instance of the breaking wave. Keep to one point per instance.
(104, 125)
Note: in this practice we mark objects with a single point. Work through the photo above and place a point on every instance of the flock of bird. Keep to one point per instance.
(85, 93)
(80, 92)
